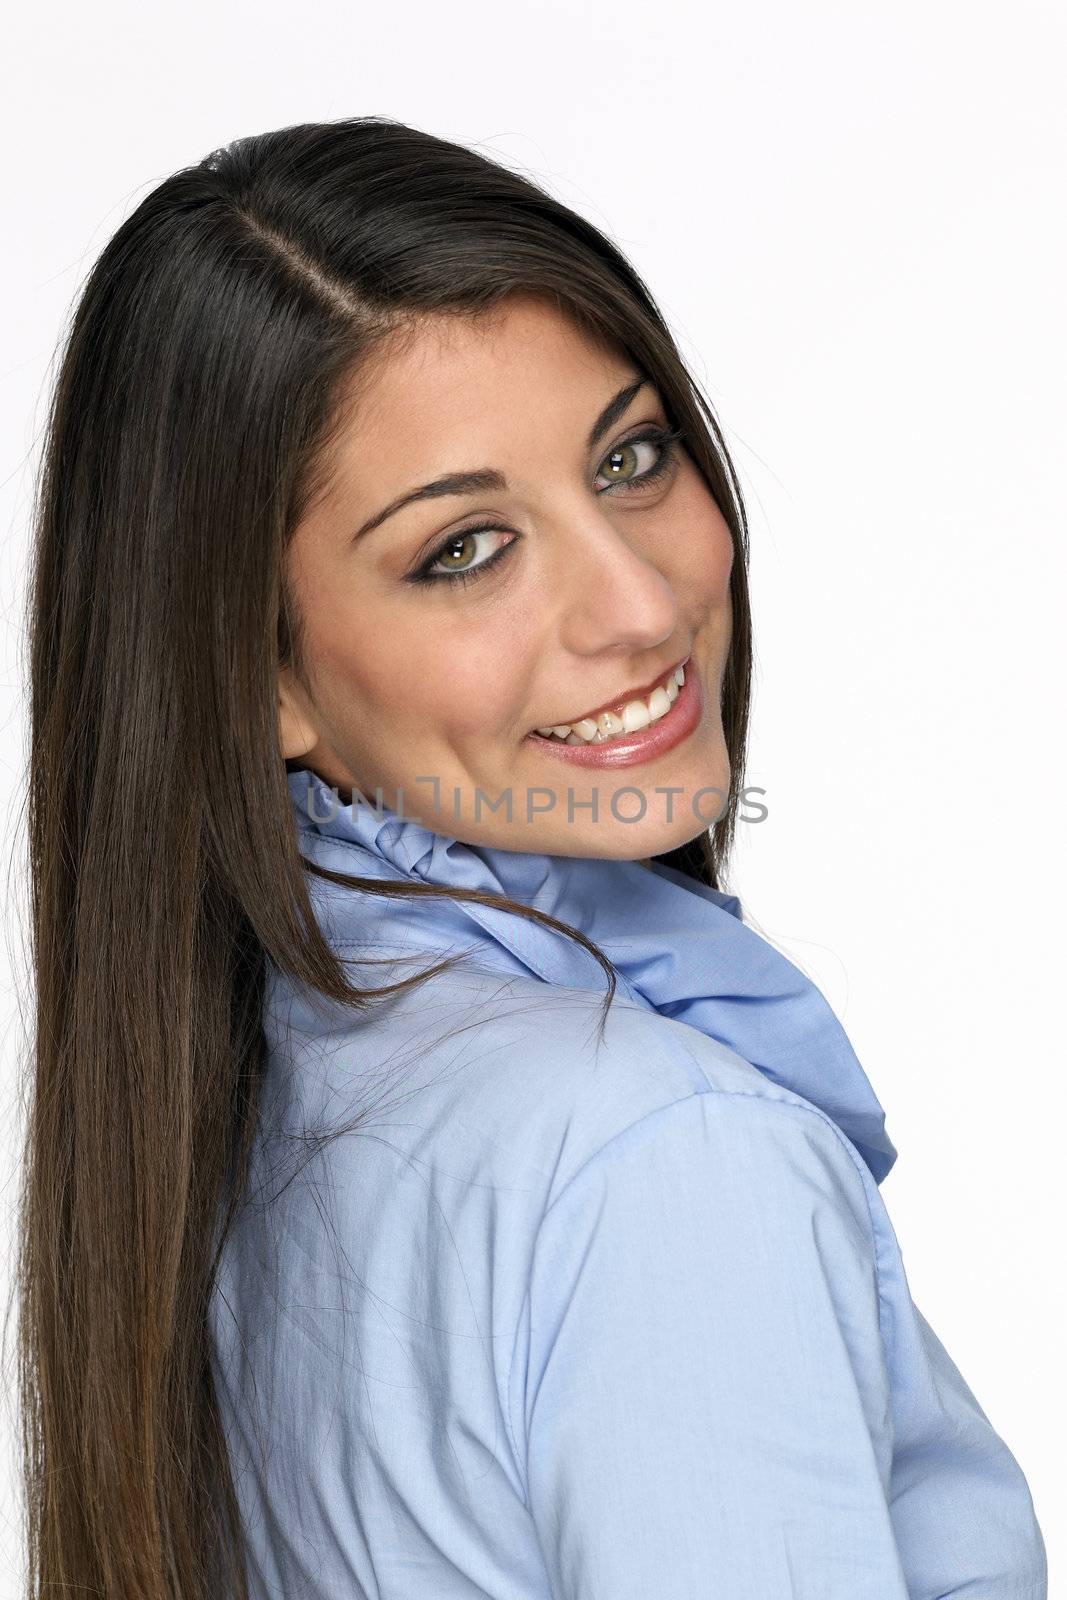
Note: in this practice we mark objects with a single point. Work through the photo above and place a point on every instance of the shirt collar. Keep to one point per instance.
(680, 947)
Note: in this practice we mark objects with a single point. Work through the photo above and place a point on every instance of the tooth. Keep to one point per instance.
(658, 704)
(635, 715)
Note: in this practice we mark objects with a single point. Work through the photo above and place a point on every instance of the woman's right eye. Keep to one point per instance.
(461, 541)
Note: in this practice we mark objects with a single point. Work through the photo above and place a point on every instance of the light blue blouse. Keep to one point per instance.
(513, 1310)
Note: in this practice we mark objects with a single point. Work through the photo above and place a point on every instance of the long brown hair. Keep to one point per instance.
(190, 427)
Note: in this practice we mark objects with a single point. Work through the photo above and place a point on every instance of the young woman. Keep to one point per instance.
(433, 1187)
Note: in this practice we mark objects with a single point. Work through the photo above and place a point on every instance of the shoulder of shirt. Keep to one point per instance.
(513, 1076)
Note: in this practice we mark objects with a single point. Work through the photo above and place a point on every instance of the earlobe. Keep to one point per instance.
(296, 734)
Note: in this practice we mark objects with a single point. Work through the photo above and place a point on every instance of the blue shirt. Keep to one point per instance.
(517, 1309)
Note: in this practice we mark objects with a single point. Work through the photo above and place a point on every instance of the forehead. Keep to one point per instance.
(448, 372)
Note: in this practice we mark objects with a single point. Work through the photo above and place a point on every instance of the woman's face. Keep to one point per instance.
(597, 576)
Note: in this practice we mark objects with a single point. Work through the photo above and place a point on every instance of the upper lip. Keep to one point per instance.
(641, 692)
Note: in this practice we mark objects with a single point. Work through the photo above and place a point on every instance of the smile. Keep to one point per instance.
(623, 716)
(637, 730)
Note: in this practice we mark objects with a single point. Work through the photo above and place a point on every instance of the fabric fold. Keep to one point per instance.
(681, 948)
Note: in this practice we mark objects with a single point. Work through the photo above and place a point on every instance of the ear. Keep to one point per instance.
(297, 733)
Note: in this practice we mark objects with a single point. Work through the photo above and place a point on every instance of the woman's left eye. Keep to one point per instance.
(624, 461)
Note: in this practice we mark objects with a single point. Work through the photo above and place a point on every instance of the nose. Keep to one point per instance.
(614, 593)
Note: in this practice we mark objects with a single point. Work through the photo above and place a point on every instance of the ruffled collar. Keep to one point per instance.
(681, 948)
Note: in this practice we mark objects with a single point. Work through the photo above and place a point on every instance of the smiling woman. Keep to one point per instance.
(606, 565)
(554, 1267)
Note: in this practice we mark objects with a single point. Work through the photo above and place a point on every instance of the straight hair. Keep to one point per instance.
(198, 394)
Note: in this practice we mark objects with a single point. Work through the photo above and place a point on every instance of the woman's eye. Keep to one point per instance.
(641, 460)
(453, 559)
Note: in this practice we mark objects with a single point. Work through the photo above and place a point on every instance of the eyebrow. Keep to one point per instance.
(484, 478)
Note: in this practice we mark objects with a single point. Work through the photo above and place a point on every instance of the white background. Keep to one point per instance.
(852, 218)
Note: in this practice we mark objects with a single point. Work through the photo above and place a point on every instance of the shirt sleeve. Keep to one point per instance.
(704, 1400)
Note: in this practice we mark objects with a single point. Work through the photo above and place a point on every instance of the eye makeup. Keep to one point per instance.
(666, 442)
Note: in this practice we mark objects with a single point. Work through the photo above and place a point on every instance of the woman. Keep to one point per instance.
(434, 1187)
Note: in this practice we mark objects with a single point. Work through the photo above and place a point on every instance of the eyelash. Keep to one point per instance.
(667, 441)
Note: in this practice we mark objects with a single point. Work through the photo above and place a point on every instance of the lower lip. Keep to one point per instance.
(644, 744)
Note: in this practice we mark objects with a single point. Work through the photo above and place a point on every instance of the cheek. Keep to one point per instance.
(721, 554)
(709, 552)
(362, 669)
(473, 679)
(425, 672)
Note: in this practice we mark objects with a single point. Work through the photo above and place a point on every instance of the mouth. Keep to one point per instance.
(628, 714)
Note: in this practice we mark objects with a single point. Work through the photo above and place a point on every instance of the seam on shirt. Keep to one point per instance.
(739, 1094)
